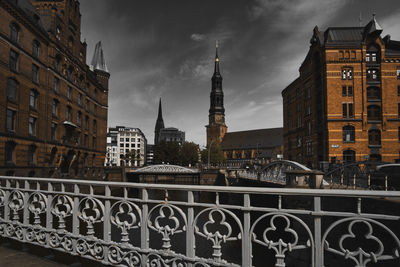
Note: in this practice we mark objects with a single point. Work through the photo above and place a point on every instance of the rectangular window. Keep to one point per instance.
(85, 140)
(344, 106)
(94, 109)
(121, 139)
(78, 118)
(68, 114)
(351, 111)
(86, 122)
(350, 91)
(94, 126)
(32, 126)
(9, 157)
(94, 142)
(35, 49)
(344, 74)
(53, 131)
(87, 105)
(398, 73)
(367, 57)
(12, 89)
(56, 84)
(69, 92)
(55, 107)
(126, 139)
(32, 99)
(14, 60)
(10, 120)
(80, 99)
(344, 90)
(349, 74)
(35, 73)
(398, 90)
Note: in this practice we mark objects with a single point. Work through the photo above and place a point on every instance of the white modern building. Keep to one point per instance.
(126, 146)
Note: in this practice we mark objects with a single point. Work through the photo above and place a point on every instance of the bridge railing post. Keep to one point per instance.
(107, 219)
(318, 232)
(144, 231)
(190, 241)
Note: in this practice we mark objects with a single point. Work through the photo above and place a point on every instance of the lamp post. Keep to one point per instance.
(209, 153)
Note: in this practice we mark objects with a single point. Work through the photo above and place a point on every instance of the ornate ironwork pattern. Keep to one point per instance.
(275, 172)
(119, 227)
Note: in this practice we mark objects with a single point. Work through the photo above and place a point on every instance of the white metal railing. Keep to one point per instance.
(127, 224)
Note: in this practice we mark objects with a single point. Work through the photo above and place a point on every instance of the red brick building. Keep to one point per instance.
(54, 106)
(345, 104)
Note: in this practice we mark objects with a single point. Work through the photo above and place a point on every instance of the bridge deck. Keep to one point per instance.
(10, 257)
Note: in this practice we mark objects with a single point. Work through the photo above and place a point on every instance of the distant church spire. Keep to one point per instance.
(159, 124)
(216, 127)
(98, 61)
(216, 67)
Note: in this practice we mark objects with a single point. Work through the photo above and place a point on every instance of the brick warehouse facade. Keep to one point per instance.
(345, 104)
(54, 106)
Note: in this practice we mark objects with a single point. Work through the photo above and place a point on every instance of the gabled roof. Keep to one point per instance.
(341, 35)
(262, 138)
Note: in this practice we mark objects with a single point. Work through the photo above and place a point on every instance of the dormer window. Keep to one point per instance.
(372, 54)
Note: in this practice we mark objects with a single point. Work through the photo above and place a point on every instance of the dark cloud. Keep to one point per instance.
(158, 48)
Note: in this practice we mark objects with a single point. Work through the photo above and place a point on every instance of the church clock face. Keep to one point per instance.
(218, 117)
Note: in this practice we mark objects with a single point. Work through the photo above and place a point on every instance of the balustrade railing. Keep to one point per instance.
(127, 224)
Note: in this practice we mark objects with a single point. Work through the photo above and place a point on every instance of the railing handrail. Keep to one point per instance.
(220, 189)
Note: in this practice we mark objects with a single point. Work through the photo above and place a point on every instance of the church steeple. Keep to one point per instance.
(216, 128)
(159, 124)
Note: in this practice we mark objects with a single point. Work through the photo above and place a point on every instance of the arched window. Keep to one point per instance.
(349, 155)
(374, 113)
(373, 93)
(374, 137)
(14, 32)
(35, 48)
(348, 133)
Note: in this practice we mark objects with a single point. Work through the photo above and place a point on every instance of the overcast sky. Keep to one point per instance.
(166, 48)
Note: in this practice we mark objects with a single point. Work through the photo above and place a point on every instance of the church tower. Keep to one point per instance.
(159, 124)
(216, 127)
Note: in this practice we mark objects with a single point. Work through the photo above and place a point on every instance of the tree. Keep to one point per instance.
(167, 152)
(216, 154)
(189, 153)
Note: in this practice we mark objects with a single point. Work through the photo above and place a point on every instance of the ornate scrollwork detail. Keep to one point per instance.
(155, 260)
(16, 203)
(125, 215)
(166, 222)
(2, 197)
(217, 237)
(91, 211)
(117, 256)
(88, 248)
(361, 256)
(281, 247)
(2, 228)
(36, 235)
(57, 240)
(62, 208)
(37, 205)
